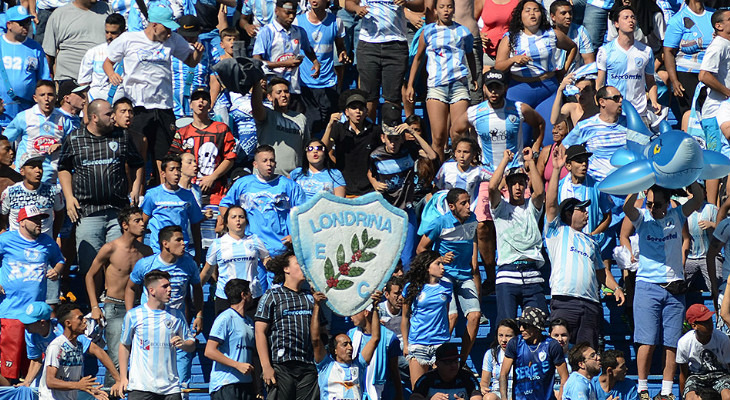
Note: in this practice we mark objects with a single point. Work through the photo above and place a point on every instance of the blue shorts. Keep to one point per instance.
(659, 311)
(424, 354)
(466, 291)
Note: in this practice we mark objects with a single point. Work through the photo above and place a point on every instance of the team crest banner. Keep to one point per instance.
(348, 248)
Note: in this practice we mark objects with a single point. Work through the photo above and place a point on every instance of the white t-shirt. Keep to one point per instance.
(148, 67)
(518, 235)
(390, 321)
(626, 70)
(715, 61)
(704, 358)
(69, 359)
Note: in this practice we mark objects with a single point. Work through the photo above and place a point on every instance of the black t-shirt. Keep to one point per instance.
(352, 152)
(464, 386)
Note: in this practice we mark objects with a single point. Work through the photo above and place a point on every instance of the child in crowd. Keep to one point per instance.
(506, 330)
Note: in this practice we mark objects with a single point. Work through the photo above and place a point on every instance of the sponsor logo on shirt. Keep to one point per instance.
(627, 77)
(42, 144)
(662, 239)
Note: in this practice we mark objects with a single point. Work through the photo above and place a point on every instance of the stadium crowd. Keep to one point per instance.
(153, 149)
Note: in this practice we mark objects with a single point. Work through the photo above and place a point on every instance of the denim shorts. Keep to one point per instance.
(425, 354)
(450, 93)
(660, 312)
(466, 291)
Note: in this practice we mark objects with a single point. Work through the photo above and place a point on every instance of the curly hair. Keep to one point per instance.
(515, 22)
(418, 274)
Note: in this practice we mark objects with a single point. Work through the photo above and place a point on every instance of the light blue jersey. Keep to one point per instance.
(446, 49)
(540, 47)
(170, 207)
(600, 138)
(241, 122)
(384, 22)
(262, 11)
(185, 81)
(575, 258)
(36, 133)
(388, 347)
(660, 241)
(25, 64)
(601, 203)
(626, 70)
(579, 35)
(604, 4)
(623, 390)
(322, 37)
(450, 177)
(267, 205)
(275, 43)
(153, 358)
(183, 273)
(234, 334)
(341, 381)
(448, 234)
(430, 314)
(700, 238)
(23, 272)
(691, 34)
(322, 181)
(498, 130)
(237, 259)
(578, 387)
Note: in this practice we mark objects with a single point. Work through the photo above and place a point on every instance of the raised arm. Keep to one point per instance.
(632, 213)
(537, 123)
(315, 330)
(695, 202)
(536, 183)
(551, 197)
(495, 196)
(369, 349)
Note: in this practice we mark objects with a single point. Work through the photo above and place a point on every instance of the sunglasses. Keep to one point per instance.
(615, 98)
(313, 148)
(654, 204)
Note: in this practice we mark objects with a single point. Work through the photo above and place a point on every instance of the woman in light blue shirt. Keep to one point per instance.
(528, 51)
(317, 173)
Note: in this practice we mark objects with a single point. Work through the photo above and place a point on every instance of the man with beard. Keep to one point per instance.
(116, 259)
(97, 188)
(586, 364)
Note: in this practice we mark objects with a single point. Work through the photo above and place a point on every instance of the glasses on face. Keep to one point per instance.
(617, 98)
(654, 204)
(592, 356)
(313, 148)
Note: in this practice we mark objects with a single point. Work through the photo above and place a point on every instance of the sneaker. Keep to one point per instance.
(659, 396)
(483, 320)
(644, 395)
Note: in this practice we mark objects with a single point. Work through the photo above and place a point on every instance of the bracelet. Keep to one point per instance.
(95, 307)
(198, 316)
(618, 288)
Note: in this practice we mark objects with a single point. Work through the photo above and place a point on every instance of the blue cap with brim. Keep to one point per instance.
(162, 15)
(17, 14)
(36, 311)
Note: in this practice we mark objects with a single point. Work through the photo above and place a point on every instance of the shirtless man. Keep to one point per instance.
(114, 263)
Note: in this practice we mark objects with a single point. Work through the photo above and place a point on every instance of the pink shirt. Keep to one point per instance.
(496, 21)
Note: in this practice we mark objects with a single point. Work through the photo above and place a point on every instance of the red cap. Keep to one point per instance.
(698, 313)
(30, 212)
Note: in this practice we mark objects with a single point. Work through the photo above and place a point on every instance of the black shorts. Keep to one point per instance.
(382, 64)
(235, 391)
(158, 126)
(140, 395)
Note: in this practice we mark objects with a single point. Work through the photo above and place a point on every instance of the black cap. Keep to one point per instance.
(391, 114)
(515, 172)
(69, 86)
(447, 351)
(287, 4)
(355, 98)
(189, 26)
(495, 76)
(200, 93)
(575, 151)
(569, 205)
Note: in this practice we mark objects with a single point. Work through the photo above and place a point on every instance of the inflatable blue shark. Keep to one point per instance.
(671, 159)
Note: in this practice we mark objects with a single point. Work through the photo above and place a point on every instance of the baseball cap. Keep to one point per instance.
(189, 26)
(200, 93)
(698, 313)
(533, 316)
(17, 14)
(355, 98)
(571, 204)
(30, 212)
(31, 158)
(447, 351)
(495, 76)
(162, 15)
(515, 172)
(68, 86)
(287, 4)
(36, 311)
(576, 150)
